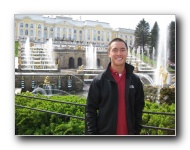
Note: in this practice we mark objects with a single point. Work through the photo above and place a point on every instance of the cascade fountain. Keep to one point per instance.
(36, 63)
(38, 58)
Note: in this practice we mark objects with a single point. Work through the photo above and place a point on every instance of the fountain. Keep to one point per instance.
(49, 92)
(90, 70)
(27, 50)
(91, 57)
(49, 89)
(161, 73)
(38, 57)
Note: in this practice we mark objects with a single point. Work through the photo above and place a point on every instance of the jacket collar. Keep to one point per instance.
(129, 71)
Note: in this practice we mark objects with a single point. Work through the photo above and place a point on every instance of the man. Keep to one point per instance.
(116, 98)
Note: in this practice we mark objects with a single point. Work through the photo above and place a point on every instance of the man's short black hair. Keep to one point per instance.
(117, 39)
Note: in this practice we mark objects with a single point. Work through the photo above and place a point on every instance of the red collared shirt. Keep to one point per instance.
(120, 79)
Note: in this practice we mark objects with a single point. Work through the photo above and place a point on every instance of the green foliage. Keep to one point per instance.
(142, 33)
(172, 41)
(158, 120)
(31, 122)
(16, 48)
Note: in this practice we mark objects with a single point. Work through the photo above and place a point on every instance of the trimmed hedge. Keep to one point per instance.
(31, 122)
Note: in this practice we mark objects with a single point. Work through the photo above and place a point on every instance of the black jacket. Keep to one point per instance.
(102, 102)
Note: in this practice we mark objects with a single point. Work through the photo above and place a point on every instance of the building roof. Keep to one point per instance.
(61, 19)
(95, 23)
(125, 30)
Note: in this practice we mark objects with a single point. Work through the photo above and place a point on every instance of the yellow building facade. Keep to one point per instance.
(40, 28)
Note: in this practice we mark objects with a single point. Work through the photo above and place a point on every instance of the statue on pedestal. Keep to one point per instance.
(47, 80)
(163, 73)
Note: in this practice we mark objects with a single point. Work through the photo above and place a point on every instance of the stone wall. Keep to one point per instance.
(29, 81)
(64, 56)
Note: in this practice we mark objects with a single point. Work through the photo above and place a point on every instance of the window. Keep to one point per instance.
(94, 38)
(26, 25)
(108, 37)
(45, 35)
(39, 26)
(26, 32)
(98, 38)
(45, 28)
(21, 25)
(75, 31)
(31, 33)
(69, 36)
(80, 32)
(51, 29)
(21, 32)
(31, 26)
(102, 38)
(39, 33)
(75, 37)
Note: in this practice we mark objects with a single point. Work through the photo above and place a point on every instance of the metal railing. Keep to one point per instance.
(83, 118)
(158, 128)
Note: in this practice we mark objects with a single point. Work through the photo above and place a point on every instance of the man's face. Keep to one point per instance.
(118, 53)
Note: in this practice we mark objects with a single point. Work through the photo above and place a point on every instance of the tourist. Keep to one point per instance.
(116, 98)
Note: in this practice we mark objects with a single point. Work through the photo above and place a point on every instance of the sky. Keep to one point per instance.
(126, 21)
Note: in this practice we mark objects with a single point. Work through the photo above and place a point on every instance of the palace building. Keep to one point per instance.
(69, 36)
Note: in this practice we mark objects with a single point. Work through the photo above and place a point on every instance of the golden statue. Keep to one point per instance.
(163, 73)
(22, 77)
(47, 80)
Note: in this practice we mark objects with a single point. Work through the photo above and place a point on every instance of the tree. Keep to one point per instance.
(172, 41)
(142, 34)
(154, 38)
